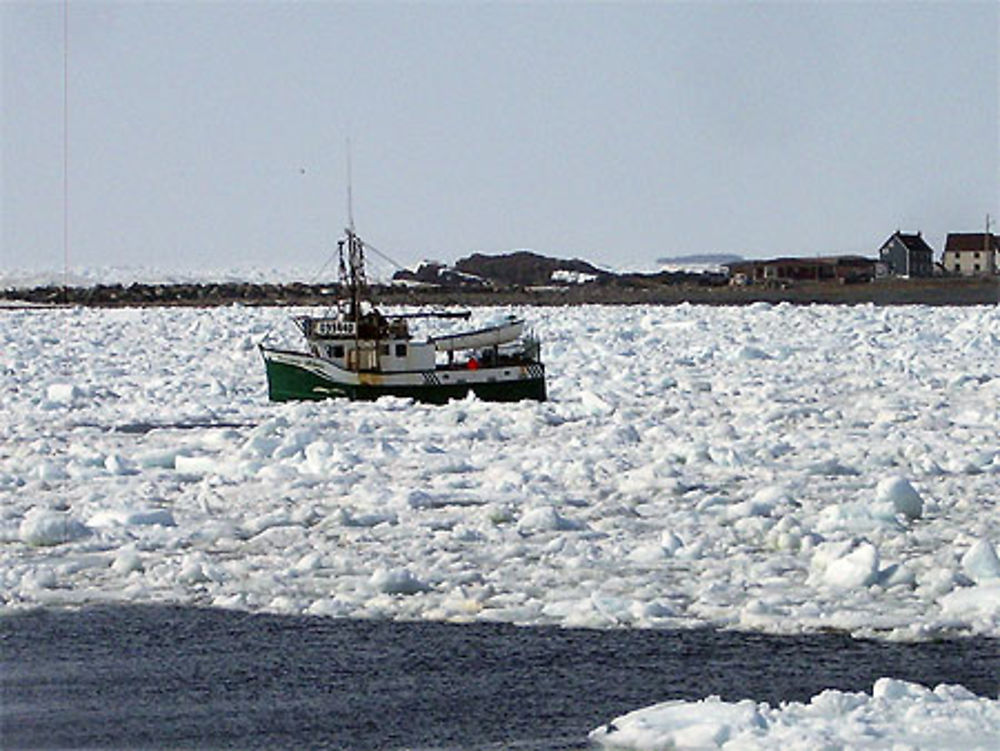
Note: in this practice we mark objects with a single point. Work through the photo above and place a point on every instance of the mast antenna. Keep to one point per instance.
(350, 198)
(991, 261)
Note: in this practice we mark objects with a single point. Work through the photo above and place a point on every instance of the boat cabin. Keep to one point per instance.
(378, 344)
(374, 343)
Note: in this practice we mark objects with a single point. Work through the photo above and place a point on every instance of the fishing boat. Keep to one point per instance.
(357, 352)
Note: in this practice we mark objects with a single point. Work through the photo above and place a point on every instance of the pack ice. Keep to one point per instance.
(771, 468)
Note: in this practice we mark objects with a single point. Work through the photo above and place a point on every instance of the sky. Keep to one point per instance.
(203, 135)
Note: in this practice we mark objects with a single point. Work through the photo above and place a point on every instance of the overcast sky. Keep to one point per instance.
(210, 134)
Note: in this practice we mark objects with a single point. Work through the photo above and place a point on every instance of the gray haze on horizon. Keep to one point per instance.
(213, 135)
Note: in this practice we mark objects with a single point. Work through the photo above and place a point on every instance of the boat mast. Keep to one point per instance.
(350, 199)
(356, 282)
(354, 274)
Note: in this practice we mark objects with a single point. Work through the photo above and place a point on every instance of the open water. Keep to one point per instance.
(164, 677)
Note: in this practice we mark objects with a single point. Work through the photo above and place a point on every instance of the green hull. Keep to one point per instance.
(290, 383)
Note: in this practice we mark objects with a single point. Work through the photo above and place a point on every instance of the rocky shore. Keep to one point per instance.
(615, 291)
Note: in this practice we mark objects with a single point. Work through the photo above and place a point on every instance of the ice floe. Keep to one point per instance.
(896, 715)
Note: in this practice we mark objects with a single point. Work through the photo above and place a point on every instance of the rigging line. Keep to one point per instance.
(382, 255)
(310, 283)
(321, 270)
(329, 260)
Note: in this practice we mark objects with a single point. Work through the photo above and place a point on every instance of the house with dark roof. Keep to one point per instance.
(907, 255)
(972, 254)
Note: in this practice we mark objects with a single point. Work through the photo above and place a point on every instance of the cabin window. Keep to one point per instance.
(400, 350)
(384, 350)
(337, 351)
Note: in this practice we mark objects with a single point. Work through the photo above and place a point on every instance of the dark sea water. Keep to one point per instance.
(168, 678)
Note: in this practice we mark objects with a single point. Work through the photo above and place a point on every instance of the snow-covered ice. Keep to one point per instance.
(896, 716)
(771, 468)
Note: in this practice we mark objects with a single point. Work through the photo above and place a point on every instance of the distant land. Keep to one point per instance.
(521, 268)
(700, 259)
(523, 278)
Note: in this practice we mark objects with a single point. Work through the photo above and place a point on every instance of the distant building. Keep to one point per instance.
(907, 255)
(972, 254)
(820, 269)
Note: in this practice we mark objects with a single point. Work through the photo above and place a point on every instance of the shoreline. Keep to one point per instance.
(945, 291)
